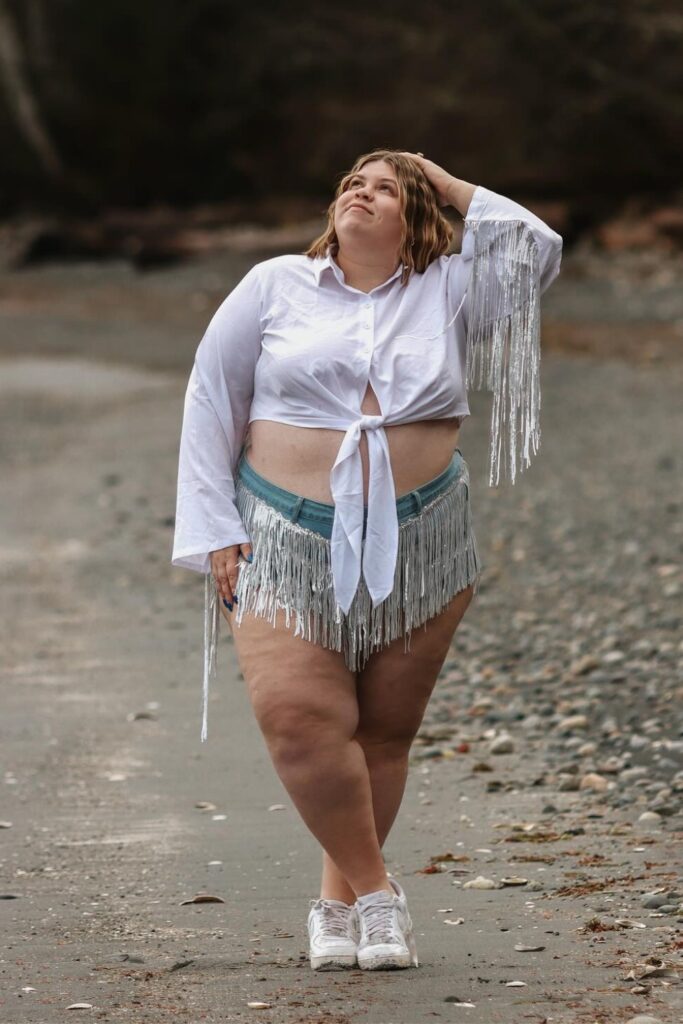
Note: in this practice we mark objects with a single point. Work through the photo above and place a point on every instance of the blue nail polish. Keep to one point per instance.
(235, 598)
(227, 604)
(250, 556)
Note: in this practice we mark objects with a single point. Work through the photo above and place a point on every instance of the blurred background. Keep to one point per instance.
(151, 153)
(153, 134)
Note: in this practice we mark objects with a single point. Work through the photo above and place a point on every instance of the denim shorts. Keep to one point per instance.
(318, 515)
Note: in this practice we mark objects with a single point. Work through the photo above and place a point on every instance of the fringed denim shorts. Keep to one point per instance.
(291, 570)
(290, 537)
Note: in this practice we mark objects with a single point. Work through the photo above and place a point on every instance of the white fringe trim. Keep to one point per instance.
(504, 339)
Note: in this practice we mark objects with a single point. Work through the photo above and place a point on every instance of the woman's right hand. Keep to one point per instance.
(224, 566)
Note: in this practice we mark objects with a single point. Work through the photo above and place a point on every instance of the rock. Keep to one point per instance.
(654, 902)
(567, 783)
(638, 771)
(637, 742)
(666, 810)
(595, 782)
(571, 722)
(502, 744)
(427, 753)
(649, 818)
(582, 666)
(611, 766)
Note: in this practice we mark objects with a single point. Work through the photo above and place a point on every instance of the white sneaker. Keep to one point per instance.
(333, 930)
(386, 930)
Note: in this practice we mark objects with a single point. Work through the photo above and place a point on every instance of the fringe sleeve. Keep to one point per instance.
(514, 257)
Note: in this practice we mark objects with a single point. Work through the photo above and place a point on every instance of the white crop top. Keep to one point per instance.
(292, 342)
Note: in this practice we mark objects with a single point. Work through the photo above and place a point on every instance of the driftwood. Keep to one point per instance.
(146, 237)
(21, 99)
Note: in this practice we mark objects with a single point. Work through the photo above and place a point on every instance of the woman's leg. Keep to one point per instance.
(393, 692)
(305, 702)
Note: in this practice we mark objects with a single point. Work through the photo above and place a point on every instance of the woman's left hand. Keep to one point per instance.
(436, 176)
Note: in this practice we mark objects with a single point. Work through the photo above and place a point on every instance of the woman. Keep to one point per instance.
(349, 364)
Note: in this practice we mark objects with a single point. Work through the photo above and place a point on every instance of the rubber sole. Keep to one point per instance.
(333, 963)
(391, 961)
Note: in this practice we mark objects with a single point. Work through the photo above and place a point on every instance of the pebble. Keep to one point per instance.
(653, 902)
(567, 783)
(502, 744)
(571, 723)
(597, 783)
(649, 818)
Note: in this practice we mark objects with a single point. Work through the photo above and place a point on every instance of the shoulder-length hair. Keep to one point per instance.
(426, 233)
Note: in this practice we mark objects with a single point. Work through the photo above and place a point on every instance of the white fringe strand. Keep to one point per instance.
(211, 616)
(504, 339)
(437, 557)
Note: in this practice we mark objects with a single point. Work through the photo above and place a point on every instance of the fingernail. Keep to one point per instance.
(235, 598)
(250, 557)
(227, 604)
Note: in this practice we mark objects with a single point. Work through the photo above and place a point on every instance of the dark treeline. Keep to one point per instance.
(129, 102)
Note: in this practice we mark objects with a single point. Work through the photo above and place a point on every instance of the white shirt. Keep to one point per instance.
(294, 343)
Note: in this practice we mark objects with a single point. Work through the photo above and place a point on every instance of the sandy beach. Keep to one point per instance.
(551, 757)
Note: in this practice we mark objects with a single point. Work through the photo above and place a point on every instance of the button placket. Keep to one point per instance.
(368, 313)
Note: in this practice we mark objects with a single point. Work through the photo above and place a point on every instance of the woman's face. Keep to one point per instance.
(369, 211)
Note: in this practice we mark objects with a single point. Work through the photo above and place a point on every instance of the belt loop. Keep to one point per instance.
(418, 500)
(297, 509)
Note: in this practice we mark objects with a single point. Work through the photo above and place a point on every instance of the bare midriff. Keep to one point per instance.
(300, 458)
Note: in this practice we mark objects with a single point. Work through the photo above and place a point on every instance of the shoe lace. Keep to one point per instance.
(333, 918)
(380, 922)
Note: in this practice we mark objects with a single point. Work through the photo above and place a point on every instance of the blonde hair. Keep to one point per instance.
(426, 232)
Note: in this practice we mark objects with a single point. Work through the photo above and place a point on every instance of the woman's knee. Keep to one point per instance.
(297, 730)
(386, 745)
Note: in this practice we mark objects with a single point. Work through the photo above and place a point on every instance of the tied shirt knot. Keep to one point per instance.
(375, 555)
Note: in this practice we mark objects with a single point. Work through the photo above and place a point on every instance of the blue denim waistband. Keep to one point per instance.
(318, 515)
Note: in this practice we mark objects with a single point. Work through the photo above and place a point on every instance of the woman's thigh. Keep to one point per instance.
(395, 685)
(293, 682)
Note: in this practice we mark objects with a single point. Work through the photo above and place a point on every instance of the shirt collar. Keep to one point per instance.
(322, 263)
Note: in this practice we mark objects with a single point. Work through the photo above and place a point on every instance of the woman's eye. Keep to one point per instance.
(356, 183)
